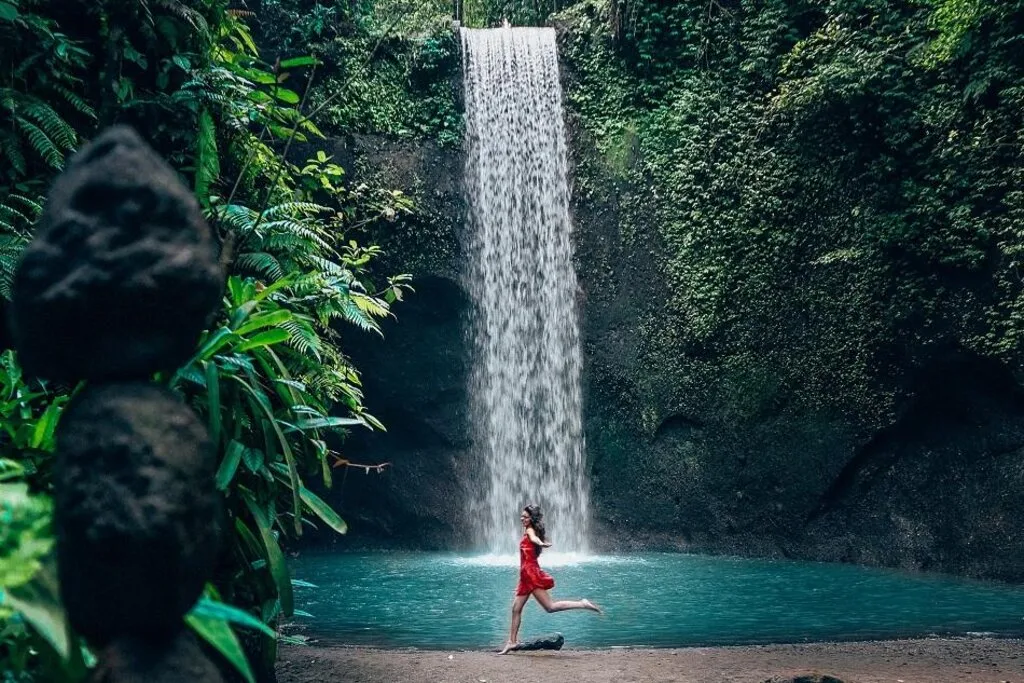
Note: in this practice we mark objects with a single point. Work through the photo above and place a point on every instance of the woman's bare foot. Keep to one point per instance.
(591, 606)
(508, 646)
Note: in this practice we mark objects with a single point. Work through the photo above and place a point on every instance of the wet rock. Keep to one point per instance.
(123, 273)
(132, 660)
(135, 511)
(551, 641)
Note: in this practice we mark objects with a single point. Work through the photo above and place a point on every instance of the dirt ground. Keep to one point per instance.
(967, 660)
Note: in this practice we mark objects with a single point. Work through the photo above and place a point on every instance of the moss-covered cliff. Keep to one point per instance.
(798, 240)
(799, 235)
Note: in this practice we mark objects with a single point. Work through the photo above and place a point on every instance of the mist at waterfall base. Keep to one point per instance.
(447, 601)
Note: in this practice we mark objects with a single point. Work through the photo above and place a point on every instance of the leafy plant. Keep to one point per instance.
(269, 377)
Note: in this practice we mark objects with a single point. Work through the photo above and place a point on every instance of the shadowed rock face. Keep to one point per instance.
(135, 511)
(123, 273)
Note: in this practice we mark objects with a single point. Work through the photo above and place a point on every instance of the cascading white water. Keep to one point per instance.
(525, 389)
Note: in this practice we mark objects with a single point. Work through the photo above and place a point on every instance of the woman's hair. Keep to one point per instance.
(537, 522)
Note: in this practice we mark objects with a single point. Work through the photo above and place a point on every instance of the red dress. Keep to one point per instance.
(531, 576)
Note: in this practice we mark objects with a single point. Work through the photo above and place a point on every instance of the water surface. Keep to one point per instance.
(439, 600)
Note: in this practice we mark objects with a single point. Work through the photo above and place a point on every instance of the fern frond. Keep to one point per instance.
(32, 206)
(309, 282)
(348, 310)
(187, 14)
(11, 247)
(76, 102)
(331, 268)
(304, 338)
(41, 142)
(299, 229)
(12, 216)
(236, 217)
(13, 154)
(285, 242)
(370, 305)
(290, 209)
(51, 123)
(260, 263)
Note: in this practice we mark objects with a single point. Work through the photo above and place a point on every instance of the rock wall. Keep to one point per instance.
(415, 377)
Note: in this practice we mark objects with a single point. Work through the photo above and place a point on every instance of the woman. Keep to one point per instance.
(532, 579)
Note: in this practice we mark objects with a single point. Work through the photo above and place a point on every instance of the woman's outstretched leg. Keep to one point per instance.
(550, 605)
(517, 617)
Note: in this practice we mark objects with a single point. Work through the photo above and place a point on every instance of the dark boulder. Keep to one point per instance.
(551, 641)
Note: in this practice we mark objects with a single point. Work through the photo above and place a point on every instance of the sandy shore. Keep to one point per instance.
(968, 660)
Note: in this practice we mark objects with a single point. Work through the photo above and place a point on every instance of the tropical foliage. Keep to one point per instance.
(835, 183)
(269, 377)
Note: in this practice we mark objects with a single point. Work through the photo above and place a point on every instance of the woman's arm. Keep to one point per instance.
(534, 538)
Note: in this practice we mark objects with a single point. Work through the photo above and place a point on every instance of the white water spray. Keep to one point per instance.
(525, 388)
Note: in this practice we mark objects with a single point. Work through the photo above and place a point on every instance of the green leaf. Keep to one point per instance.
(271, 319)
(207, 157)
(253, 459)
(259, 76)
(296, 62)
(229, 465)
(323, 510)
(10, 469)
(38, 602)
(275, 558)
(8, 12)
(326, 423)
(287, 96)
(221, 611)
(268, 338)
(42, 435)
(213, 401)
(220, 636)
(215, 342)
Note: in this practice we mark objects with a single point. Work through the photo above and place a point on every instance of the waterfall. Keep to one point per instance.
(525, 383)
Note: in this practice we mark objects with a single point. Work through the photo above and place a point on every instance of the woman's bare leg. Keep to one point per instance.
(550, 605)
(517, 618)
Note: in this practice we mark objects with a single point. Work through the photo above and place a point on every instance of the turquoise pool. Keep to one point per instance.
(438, 600)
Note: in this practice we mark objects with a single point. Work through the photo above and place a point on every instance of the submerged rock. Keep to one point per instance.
(123, 273)
(135, 511)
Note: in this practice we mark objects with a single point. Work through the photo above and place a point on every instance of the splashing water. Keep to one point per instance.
(525, 386)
